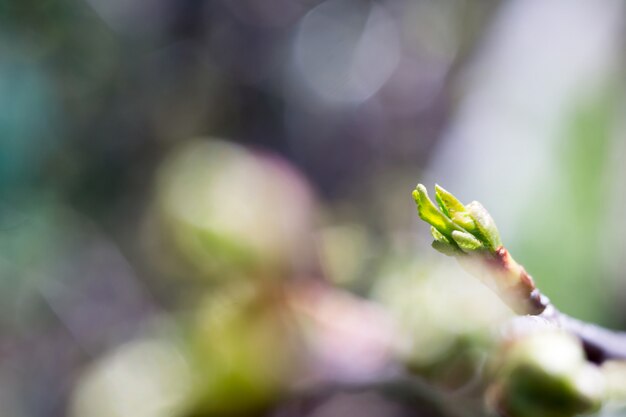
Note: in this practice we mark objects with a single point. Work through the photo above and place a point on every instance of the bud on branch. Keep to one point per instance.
(469, 233)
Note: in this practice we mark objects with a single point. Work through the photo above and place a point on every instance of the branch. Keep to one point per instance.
(600, 344)
(468, 233)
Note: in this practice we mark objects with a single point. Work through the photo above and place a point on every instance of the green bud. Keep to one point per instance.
(486, 230)
(448, 202)
(447, 249)
(466, 242)
(438, 236)
(431, 215)
(474, 226)
(454, 209)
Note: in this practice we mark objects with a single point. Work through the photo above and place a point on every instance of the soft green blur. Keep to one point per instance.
(578, 215)
(544, 374)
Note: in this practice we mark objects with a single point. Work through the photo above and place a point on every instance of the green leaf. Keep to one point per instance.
(466, 241)
(438, 236)
(431, 215)
(446, 248)
(454, 209)
(443, 244)
(486, 230)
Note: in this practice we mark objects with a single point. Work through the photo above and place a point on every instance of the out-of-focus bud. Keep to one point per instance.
(444, 320)
(225, 211)
(144, 378)
(245, 352)
(615, 375)
(349, 340)
(544, 374)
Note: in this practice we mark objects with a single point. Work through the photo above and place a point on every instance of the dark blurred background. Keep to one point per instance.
(159, 158)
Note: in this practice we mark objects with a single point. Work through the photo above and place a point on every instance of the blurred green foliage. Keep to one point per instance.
(573, 222)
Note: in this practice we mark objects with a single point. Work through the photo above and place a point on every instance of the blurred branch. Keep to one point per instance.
(600, 344)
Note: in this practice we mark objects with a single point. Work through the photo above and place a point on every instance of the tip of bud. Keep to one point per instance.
(416, 196)
(431, 214)
(420, 192)
(475, 227)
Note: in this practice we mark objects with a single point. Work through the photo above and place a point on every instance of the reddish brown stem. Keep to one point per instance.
(518, 290)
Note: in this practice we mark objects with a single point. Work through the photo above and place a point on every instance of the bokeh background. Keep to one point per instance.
(205, 206)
